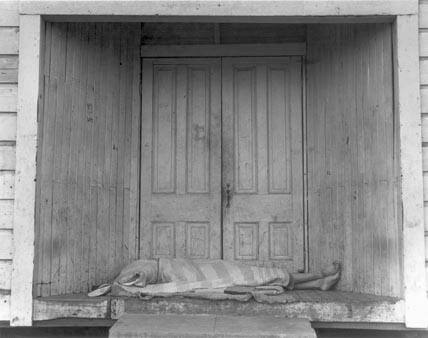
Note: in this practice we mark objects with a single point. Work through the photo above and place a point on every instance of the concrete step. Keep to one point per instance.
(209, 326)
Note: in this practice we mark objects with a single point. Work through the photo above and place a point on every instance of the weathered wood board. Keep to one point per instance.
(9, 39)
(424, 124)
(424, 99)
(9, 13)
(5, 274)
(425, 180)
(7, 184)
(261, 33)
(8, 69)
(423, 14)
(4, 306)
(6, 244)
(7, 157)
(87, 183)
(314, 305)
(8, 75)
(354, 213)
(9, 32)
(424, 158)
(8, 97)
(9, 62)
(70, 307)
(426, 216)
(7, 126)
(6, 214)
(423, 43)
(221, 33)
(31, 40)
(423, 67)
(426, 272)
(239, 10)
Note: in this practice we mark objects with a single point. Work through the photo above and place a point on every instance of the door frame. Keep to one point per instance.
(248, 50)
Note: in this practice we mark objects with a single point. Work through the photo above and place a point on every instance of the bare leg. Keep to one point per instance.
(323, 281)
(310, 285)
(305, 277)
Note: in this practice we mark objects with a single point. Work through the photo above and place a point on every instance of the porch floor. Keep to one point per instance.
(322, 306)
(169, 325)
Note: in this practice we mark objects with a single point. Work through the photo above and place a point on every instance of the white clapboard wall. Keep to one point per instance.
(9, 32)
(423, 38)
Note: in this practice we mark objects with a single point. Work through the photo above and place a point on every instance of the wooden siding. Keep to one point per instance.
(6, 214)
(9, 32)
(87, 191)
(352, 176)
(423, 53)
(9, 13)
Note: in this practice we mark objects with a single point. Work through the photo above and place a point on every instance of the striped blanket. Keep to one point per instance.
(172, 276)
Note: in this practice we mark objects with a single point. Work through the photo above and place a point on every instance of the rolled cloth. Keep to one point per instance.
(172, 276)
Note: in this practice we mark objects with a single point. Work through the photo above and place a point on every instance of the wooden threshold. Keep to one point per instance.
(327, 306)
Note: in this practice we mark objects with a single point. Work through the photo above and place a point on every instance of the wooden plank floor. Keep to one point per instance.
(326, 306)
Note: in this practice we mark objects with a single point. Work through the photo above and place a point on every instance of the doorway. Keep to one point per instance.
(88, 184)
(221, 160)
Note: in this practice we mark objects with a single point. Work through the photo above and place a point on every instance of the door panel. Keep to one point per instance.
(181, 159)
(262, 161)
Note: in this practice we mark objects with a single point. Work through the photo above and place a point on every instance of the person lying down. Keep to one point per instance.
(213, 279)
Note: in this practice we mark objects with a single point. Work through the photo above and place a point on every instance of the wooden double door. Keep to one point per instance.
(221, 160)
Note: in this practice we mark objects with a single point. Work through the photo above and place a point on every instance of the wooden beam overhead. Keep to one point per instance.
(222, 19)
(227, 8)
(274, 49)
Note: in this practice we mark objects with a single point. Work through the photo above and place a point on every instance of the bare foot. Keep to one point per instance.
(329, 281)
(331, 270)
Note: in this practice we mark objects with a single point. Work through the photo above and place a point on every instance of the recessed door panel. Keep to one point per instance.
(262, 161)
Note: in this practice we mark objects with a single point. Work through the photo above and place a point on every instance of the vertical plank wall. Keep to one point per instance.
(9, 33)
(423, 53)
(352, 178)
(88, 160)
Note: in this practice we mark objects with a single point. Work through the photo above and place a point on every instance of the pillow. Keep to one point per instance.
(139, 273)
